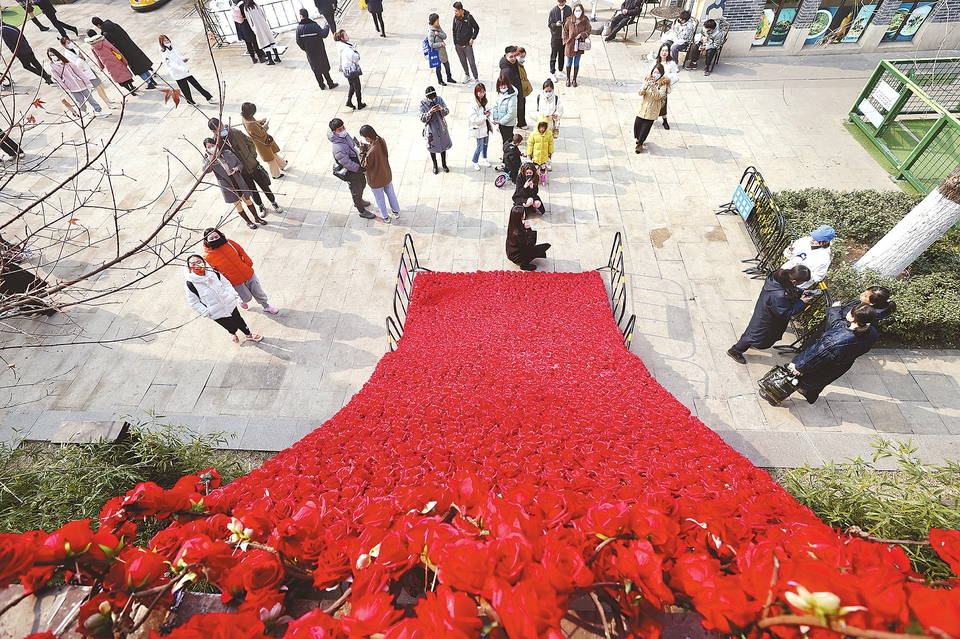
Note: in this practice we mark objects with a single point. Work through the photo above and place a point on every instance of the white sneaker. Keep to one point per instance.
(553, 77)
(476, 167)
(212, 101)
(549, 166)
(466, 79)
(486, 162)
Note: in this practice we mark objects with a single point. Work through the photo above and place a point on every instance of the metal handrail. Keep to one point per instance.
(403, 290)
(618, 287)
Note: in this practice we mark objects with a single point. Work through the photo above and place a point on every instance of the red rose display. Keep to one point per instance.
(446, 614)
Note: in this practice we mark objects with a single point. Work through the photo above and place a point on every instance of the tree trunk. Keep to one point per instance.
(920, 228)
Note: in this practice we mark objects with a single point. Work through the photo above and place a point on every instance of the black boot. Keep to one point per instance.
(331, 83)
(576, 70)
(253, 57)
(276, 54)
(270, 61)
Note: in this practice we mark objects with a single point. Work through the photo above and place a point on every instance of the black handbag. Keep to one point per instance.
(341, 171)
(777, 385)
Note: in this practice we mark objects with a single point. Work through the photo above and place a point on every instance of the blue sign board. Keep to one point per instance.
(743, 203)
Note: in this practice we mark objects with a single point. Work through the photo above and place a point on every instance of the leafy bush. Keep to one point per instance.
(901, 505)
(925, 316)
(43, 486)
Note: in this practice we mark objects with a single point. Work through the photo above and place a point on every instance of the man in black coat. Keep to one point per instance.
(50, 11)
(310, 37)
(20, 48)
(140, 64)
(327, 9)
(629, 9)
(511, 70)
(555, 21)
(465, 31)
(251, 170)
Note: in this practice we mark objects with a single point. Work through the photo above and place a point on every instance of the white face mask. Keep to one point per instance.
(503, 90)
(548, 94)
(578, 13)
(343, 134)
(211, 150)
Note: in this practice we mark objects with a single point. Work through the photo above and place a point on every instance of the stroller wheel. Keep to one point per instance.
(500, 181)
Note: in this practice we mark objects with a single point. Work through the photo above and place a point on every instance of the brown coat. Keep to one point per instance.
(258, 131)
(573, 30)
(378, 164)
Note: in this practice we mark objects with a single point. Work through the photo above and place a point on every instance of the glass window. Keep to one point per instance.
(775, 23)
(908, 19)
(840, 21)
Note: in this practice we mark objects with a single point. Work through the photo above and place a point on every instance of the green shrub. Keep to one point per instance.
(900, 505)
(43, 486)
(925, 315)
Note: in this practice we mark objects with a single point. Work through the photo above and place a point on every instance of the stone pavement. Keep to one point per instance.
(333, 273)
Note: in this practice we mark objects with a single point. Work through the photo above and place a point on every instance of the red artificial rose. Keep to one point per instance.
(445, 614)
(403, 629)
(564, 568)
(219, 625)
(510, 554)
(71, 540)
(938, 609)
(605, 520)
(99, 613)
(16, 557)
(639, 564)
(316, 624)
(209, 480)
(885, 597)
(947, 545)
(369, 615)
(530, 610)
(261, 570)
(142, 569)
(212, 558)
(465, 565)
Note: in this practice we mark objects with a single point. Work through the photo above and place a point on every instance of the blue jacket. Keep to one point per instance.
(775, 306)
(504, 108)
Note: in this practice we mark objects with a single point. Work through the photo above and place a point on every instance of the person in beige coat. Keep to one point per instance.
(266, 145)
(653, 93)
(375, 158)
(576, 29)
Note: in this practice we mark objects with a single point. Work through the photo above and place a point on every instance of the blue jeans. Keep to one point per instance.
(146, 75)
(574, 61)
(481, 148)
(378, 195)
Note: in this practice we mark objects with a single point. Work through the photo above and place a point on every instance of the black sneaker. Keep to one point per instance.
(736, 356)
(364, 202)
(367, 215)
(528, 267)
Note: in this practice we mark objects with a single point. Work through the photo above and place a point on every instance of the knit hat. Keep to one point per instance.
(823, 234)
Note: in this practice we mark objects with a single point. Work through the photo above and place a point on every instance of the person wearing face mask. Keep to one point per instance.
(576, 31)
(504, 112)
(232, 262)
(433, 112)
(375, 159)
(252, 171)
(549, 109)
(72, 80)
(652, 94)
(555, 20)
(525, 87)
(436, 38)
(110, 59)
(710, 40)
(850, 335)
(138, 61)
(210, 294)
(350, 67)
(76, 56)
(680, 35)
(813, 251)
(510, 69)
(226, 167)
(480, 126)
(521, 243)
(347, 155)
(671, 72)
(180, 72)
(527, 193)
(310, 36)
(267, 146)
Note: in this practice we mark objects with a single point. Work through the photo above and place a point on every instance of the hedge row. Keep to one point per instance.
(928, 314)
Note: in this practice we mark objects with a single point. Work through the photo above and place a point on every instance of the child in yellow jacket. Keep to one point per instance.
(540, 145)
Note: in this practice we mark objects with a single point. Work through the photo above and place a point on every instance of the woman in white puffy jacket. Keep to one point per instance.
(211, 294)
(549, 108)
(670, 67)
(177, 64)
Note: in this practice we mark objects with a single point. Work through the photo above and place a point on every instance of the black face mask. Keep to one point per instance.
(215, 243)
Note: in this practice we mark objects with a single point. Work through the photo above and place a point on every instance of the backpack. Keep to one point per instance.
(236, 13)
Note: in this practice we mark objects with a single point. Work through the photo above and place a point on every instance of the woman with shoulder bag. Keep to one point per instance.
(266, 146)
(226, 168)
(350, 67)
(576, 40)
(375, 159)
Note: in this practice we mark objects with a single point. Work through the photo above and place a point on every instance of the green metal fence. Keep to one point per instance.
(907, 110)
